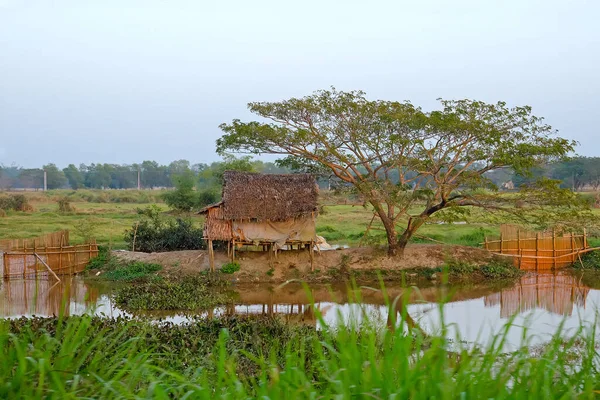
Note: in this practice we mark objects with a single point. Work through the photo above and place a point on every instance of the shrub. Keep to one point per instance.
(101, 260)
(590, 260)
(15, 202)
(86, 228)
(64, 205)
(207, 197)
(2, 213)
(184, 198)
(230, 267)
(155, 233)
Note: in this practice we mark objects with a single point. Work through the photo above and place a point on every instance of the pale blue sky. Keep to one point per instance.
(122, 81)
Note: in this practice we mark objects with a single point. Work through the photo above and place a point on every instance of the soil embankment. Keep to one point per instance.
(295, 264)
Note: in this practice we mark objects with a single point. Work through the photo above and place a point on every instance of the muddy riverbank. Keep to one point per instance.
(327, 266)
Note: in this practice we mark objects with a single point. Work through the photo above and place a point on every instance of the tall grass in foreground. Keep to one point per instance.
(91, 357)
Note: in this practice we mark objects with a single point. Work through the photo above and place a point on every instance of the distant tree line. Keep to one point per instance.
(578, 173)
(125, 176)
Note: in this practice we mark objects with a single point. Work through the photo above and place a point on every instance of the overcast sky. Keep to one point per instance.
(123, 81)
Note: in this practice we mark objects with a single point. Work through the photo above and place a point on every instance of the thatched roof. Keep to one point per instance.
(268, 196)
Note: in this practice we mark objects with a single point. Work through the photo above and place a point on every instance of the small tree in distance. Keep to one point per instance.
(184, 198)
(411, 164)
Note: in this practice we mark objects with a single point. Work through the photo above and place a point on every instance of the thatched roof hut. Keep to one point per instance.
(268, 197)
(264, 209)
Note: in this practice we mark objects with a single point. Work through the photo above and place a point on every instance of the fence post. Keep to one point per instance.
(485, 241)
(537, 250)
(36, 261)
(572, 248)
(585, 245)
(554, 248)
(521, 259)
(60, 255)
(501, 243)
(5, 263)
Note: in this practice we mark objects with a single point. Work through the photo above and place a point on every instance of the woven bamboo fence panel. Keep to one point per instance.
(537, 250)
(63, 260)
(555, 293)
(54, 239)
(44, 297)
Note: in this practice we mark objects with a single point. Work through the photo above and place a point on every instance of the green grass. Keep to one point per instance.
(342, 224)
(108, 221)
(85, 357)
(132, 271)
(347, 224)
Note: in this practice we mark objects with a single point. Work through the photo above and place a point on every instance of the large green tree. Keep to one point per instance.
(55, 177)
(439, 158)
(74, 177)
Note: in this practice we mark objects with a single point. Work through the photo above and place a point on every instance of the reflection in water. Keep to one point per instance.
(541, 301)
(45, 297)
(554, 293)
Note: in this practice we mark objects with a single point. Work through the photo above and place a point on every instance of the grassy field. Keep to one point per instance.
(110, 213)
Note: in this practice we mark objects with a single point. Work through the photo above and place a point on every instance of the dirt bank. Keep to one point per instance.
(295, 264)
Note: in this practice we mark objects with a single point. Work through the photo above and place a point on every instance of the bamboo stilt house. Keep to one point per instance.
(263, 210)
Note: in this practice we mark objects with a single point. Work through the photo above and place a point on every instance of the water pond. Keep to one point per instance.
(537, 302)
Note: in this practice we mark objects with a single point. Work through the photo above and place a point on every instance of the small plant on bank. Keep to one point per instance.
(86, 228)
(230, 267)
(132, 271)
(499, 269)
(271, 271)
(589, 260)
(101, 260)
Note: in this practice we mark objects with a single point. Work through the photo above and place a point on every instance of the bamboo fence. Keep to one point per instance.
(47, 255)
(538, 250)
(54, 239)
(554, 293)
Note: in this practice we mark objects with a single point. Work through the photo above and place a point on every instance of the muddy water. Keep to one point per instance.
(540, 302)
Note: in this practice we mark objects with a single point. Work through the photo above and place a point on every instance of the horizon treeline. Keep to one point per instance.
(152, 175)
(578, 173)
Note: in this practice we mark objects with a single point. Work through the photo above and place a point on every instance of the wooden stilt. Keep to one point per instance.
(312, 255)
(211, 256)
(233, 250)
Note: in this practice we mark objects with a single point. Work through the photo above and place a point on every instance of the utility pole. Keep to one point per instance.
(139, 181)
(45, 181)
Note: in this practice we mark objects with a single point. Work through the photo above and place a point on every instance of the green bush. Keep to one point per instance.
(155, 233)
(230, 267)
(590, 260)
(103, 258)
(14, 202)
(64, 205)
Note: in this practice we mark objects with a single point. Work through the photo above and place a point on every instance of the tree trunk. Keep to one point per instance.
(390, 229)
(411, 228)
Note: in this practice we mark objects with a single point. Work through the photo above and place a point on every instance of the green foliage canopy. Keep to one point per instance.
(440, 157)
